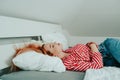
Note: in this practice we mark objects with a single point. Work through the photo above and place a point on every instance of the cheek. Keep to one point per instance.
(54, 51)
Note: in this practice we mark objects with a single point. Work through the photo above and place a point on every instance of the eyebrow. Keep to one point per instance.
(43, 46)
(43, 49)
(50, 45)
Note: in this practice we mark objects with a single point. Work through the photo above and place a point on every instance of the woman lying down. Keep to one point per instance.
(79, 57)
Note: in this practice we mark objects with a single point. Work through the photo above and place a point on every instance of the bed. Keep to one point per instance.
(15, 31)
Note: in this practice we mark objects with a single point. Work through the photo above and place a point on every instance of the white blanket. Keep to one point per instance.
(105, 73)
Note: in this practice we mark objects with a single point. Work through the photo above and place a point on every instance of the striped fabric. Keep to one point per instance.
(81, 58)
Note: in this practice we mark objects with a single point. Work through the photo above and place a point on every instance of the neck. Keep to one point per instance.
(62, 55)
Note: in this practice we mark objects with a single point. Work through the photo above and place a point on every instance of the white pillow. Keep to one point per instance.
(7, 51)
(37, 61)
(56, 37)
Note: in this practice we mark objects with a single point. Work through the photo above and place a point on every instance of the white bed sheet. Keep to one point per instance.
(105, 73)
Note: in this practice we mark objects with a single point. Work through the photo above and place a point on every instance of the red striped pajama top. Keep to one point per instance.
(82, 58)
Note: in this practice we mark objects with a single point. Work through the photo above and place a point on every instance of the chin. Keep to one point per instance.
(61, 45)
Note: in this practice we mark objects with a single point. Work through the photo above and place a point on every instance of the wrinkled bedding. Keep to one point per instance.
(105, 73)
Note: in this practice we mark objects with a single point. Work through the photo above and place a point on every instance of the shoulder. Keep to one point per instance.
(79, 46)
(75, 47)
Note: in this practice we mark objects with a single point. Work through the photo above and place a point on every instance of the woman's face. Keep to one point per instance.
(54, 48)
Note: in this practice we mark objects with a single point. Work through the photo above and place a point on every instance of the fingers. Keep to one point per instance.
(89, 43)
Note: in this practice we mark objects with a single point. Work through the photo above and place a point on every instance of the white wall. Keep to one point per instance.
(96, 18)
(73, 40)
(79, 17)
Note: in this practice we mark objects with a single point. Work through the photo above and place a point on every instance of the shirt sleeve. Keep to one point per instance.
(82, 65)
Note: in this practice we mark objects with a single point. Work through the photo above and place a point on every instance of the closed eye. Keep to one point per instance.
(52, 46)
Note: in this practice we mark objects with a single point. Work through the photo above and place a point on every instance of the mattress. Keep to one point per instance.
(37, 75)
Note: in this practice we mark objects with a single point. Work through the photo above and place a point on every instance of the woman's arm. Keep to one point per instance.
(93, 46)
(82, 65)
(96, 56)
(95, 61)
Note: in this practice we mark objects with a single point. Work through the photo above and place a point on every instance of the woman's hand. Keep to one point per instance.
(93, 46)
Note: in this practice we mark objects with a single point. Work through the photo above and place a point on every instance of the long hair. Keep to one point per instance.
(25, 48)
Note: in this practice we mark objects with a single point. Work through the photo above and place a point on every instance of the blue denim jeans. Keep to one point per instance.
(109, 58)
(113, 45)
